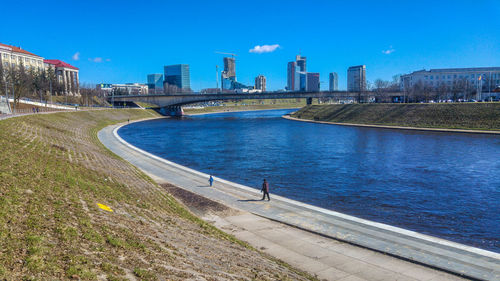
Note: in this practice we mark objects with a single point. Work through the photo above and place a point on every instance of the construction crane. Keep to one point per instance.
(223, 53)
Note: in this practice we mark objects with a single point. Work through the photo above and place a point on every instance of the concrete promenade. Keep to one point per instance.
(443, 130)
(328, 247)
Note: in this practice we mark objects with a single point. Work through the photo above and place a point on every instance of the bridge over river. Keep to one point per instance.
(172, 104)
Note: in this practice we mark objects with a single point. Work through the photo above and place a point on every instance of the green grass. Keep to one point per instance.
(245, 105)
(54, 171)
(470, 116)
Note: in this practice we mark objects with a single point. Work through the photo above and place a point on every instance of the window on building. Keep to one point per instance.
(425, 76)
(449, 76)
(432, 77)
(472, 75)
(454, 76)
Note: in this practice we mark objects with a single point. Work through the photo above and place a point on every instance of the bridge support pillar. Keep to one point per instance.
(309, 101)
(171, 111)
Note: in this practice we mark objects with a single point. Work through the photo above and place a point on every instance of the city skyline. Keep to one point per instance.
(388, 37)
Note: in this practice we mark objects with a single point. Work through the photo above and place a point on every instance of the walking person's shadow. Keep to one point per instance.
(249, 200)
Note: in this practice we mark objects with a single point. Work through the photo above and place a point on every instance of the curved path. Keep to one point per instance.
(396, 127)
(301, 234)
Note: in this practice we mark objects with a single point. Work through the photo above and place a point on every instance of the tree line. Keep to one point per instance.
(457, 90)
(21, 82)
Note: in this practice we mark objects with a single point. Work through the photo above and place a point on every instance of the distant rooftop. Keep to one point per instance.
(15, 49)
(478, 69)
(466, 69)
(59, 63)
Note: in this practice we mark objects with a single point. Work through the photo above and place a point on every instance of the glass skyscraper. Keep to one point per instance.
(356, 78)
(178, 75)
(155, 81)
(334, 81)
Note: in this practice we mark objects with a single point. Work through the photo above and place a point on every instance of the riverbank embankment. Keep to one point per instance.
(71, 209)
(458, 117)
(320, 256)
(238, 108)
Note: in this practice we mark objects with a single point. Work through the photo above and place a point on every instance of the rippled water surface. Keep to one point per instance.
(442, 184)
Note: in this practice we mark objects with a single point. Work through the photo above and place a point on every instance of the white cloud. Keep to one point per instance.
(264, 49)
(98, 59)
(108, 59)
(388, 51)
(76, 56)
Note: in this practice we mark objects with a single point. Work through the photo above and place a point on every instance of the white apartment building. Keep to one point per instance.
(123, 89)
(488, 78)
(260, 83)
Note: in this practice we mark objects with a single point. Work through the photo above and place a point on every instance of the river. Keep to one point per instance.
(442, 184)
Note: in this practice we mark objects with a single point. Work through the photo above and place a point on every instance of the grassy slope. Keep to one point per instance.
(239, 108)
(54, 171)
(482, 116)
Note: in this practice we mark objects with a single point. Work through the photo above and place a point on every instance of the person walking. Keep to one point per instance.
(265, 189)
(211, 180)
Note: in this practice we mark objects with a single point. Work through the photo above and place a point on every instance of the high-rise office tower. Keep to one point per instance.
(178, 75)
(230, 67)
(296, 74)
(301, 63)
(260, 83)
(228, 76)
(155, 82)
(334, 81)
(312, 82)
(291, 76)
(356, 78)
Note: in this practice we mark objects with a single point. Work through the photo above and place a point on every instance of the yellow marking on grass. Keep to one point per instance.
(104, 207)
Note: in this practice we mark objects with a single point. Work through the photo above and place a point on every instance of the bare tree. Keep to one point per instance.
(3, 80)
(20, 82)
(441, 91)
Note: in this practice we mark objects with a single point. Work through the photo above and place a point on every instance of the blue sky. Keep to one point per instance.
(123, 41)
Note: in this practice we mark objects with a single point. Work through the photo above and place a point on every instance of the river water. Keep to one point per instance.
(442, 184)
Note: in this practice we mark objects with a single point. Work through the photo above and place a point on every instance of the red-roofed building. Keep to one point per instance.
(11, 56)
(65, 74)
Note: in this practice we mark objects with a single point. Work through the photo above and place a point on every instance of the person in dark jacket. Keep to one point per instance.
(211, 180)
(265, 189)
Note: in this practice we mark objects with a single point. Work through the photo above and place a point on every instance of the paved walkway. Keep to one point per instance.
(492, 132)
(314, 250)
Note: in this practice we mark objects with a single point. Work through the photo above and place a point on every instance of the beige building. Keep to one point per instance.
(66, 74)
(12, 56)
(260, 83)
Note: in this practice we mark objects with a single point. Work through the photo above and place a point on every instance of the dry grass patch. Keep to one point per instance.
(54, 171)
